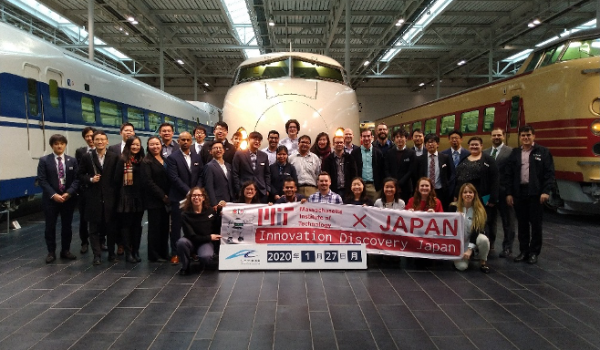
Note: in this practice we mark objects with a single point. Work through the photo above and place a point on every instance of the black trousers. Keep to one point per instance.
(99, 229)
(508, 225)
(175, 226)
(158, 234)
(131, 230)
(52, 210)
(83, 227)
(529, 216)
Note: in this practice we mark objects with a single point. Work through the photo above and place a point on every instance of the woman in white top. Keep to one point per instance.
(390, 195)
(471, 207)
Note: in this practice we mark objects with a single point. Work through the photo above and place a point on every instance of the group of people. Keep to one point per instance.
(185, 184)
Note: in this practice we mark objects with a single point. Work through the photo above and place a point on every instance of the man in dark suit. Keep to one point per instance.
(418, 145)
(97, 172)
(220, 131)
(127, 130)
(218, 183)
(438, 167)
(184, 169)
(198, 146)
(528, 191)
(456, 152)
(252, 164)
(87, 133)
(369, 164)
(57, 176)
(340, 166)
(401, 164)
(500, 152)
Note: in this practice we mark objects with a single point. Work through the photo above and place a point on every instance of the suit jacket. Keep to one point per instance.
(404, 170)
(229, 151)
(541, 172)
(277, 179)
(377, 164)
(100, 197)
(79, 153)
(464, 153)
(115, 148)
(242, 171)
(218, 186)
(156, 183)
(182, 177)
(446, 168)
(501, 162)
(47, 176)
(354, 148)
(204, 153)
(330, 166)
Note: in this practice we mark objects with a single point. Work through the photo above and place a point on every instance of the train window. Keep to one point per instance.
(32, 96)
(407, 128)
(182, 126)
(313, 70)
(54, 100)
(154, 121)
(171, 121)
(417, 125)
(551, 55)
(265, 70)
(488, 119)
(447, 124)
(110, 114)
(582, 49)
(514, 111)
(534, 61)
(431, 126)
(136, 117)
(469, 121)
(88, 110)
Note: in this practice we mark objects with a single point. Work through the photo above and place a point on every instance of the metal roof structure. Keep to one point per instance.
(211, 39)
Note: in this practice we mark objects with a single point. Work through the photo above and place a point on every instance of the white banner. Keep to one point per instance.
(384, 231)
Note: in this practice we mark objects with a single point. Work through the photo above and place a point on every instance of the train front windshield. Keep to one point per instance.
(304, 69)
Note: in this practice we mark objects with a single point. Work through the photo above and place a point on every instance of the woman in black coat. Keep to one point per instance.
(280, 170)
(156, 201)
(129, 201)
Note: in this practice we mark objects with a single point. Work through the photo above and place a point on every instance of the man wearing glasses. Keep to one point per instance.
(307, 165)
(528, 180)
(340, 166)
(292, 128)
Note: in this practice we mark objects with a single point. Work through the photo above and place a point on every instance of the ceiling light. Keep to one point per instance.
(422, 84)
(536, 21)
(531, 25)
(271, 21)
(126, 33)
(400, 22)
(134, 22)
(206, 84)
(180, 61)
(131, 19)
(366, 63)
(461, 62)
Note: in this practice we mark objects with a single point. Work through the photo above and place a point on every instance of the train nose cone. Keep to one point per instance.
(275, 117)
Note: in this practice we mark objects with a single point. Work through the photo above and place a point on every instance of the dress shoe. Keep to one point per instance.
(521, 257)
(84, 248)
(136, 256)
(120, 250)
(67, 255)
(113, 258)
(506, 254)
(184, 272)
(50, 258)
(161, 260)
(532, 259)
(174, 260)
(104, 248)
(484, 268)
(129, 258)
(97, 260)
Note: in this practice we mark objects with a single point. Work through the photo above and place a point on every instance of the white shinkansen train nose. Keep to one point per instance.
(275, 117)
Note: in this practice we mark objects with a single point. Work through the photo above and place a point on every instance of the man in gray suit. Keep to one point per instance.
(501, 152)
(252, 164)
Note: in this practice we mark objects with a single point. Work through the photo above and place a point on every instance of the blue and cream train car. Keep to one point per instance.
(46, 90)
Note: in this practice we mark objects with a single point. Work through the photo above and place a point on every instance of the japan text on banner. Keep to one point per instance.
(384, 231)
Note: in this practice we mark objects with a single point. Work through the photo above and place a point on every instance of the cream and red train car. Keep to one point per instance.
(557, 91)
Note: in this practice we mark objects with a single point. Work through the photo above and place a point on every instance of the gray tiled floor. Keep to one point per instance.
(74, 305)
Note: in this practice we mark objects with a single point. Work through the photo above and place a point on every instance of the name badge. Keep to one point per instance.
(70, 168)
(63, 181)
(407, 160)
(262, 164)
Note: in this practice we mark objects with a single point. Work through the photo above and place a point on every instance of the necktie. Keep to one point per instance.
(61, 175)
(455, 158)
(494, 152)
(432, 168)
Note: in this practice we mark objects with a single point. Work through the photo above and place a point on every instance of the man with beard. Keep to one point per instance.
(271, 150)
(381, 142)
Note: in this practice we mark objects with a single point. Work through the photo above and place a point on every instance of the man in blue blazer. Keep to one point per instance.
(251, 164)
(218, 183)
(57, 176)
(184, 170)
(442, 171)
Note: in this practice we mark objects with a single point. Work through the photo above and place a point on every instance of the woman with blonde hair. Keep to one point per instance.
(473, 210)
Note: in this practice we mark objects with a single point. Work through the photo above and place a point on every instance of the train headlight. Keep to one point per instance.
(339, 132)
(595, 127)
(243, 137)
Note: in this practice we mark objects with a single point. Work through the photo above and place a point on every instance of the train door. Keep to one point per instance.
(36, 137)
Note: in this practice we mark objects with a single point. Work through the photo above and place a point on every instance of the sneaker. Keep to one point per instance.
(174, 260)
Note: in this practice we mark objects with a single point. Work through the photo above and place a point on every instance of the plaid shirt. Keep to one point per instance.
(330, 198)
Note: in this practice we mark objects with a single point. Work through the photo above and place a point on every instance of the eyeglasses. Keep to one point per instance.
(197, 196)
(339, 142)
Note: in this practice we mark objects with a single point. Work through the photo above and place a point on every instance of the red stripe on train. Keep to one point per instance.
(562, 123)
(569, 176)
